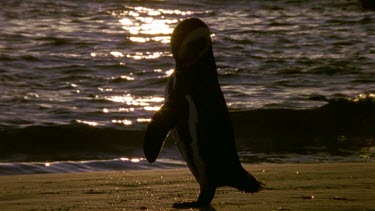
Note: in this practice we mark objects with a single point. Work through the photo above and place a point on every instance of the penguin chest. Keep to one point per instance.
(189, 143)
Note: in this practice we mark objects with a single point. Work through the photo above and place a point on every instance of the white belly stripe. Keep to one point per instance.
(192, 122)
(193, 119)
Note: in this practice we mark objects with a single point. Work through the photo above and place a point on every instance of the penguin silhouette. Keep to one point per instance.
(368, 4)
(195, 114)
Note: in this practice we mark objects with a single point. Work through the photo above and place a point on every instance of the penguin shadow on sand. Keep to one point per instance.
(196, 117)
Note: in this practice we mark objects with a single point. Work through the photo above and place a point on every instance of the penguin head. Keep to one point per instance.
(190, 43)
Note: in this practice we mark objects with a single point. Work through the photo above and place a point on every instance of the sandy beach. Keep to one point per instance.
(324, 186)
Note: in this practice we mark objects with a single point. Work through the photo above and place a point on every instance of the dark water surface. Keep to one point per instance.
(79, 80)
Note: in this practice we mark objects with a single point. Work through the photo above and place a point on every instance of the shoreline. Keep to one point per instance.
(317, 186)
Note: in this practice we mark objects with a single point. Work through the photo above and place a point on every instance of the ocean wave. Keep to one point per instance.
(340, 124)
(86, 166)
(66, 142)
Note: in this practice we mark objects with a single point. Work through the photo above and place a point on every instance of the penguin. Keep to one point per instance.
(196, 116)
(368, 4)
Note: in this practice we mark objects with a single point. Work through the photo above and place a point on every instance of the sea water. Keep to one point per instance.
(80, 80)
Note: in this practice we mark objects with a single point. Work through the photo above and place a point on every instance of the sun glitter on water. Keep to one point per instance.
(148, 104)
(147, 24)
(142, 26)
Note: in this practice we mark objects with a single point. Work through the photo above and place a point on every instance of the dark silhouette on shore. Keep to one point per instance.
(196, 115)
(368, 4)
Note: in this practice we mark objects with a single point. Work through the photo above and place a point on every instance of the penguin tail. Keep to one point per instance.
(247, 183)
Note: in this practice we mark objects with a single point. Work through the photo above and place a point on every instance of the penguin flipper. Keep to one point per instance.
(161, 123)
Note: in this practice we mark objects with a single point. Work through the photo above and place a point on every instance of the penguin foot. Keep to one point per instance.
(194, 204)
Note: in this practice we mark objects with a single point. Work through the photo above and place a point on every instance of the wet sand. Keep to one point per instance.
(325, 186)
